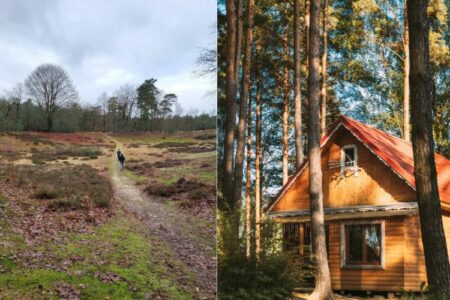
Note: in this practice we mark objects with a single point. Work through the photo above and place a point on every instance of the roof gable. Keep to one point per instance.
(392, 151)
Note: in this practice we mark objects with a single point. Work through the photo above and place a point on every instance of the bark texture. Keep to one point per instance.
(230, 94)
(245, 85)
(297, 91)
(239, 28)
(285, 110)
(323, 89)
(258, 170)
(248, 180)
(406, 86)
(323, 283)
(433, 237)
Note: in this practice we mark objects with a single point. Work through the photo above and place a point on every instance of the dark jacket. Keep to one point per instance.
(118, 154)
(121, 157)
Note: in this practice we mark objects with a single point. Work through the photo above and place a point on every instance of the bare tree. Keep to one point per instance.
(51, 87)
(323, 283)
(126, 102)
(433, 237)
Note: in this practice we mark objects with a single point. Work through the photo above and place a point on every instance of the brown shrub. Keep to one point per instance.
(60, 153)
(173, 144)
(206, 136)
(65, 186)
(192, 149)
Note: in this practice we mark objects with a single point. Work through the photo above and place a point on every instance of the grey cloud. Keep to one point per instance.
(96, 39)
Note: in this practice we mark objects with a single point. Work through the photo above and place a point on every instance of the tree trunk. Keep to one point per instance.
(433, 237)
(49, 122)
(406, 92)
(323, 284)
(323, 89)
(230, 94)
(238, 39)
(248, 180)
(258, 169)
(245, 84)
(297, 91)
(307, 22)
(285, 110)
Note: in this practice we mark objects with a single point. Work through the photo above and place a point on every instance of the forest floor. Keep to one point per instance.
(73, 227)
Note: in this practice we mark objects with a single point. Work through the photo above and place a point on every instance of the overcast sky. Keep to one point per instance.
(104, 44)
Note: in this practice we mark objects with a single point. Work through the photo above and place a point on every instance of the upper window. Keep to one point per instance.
(363, 245)
(349, 158)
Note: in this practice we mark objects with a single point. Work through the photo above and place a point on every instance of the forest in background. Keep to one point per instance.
(129, 108)
(364, 72)
(362, 69)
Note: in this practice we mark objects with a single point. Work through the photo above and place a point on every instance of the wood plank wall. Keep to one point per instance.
(375, 183)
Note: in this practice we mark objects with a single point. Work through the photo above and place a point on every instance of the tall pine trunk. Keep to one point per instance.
(239, 28)
(406, 91)
(285, 117)
(323, 89)
(258, 169)
(297, 91)
(307, 22)
(248, 180)
(323, 283)
(245, 85)
(230, 94)
(433, 237)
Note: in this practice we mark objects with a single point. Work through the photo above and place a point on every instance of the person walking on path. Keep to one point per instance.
(121, 160)
(118, 154)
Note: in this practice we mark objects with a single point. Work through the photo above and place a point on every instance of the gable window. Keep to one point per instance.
(349, 158)
(363, 245)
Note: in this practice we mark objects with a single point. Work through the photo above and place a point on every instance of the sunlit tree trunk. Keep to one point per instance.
(248, 180)
(285, 110)
(245, 85)
(297, 91)
(406, 92)
(323, 283)
(258, 170)
(323, 89)
(239, 28)
(230, 94)
(307, 22)
(433, 236)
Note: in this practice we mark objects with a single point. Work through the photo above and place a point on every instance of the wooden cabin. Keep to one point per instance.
(371, 213)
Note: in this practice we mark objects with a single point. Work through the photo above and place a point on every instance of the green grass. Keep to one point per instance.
(117, 241)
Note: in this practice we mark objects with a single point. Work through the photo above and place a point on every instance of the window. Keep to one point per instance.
(297, 238)
(363, 245)
(349, 158)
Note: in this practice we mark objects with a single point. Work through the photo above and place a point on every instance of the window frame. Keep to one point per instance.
(342, 160)
(344, 247)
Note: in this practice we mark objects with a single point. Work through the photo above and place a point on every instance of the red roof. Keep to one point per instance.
(393, 151)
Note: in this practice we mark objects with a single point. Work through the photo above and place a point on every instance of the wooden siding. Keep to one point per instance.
(446, 222)
(375, 183)
(414, 269)
(391, 278)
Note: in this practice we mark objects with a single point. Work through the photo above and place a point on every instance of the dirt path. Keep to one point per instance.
(173, 227)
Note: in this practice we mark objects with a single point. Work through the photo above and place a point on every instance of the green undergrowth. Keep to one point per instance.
(118, 248)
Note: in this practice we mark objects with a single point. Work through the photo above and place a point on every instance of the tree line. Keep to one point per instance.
(286, 71)
(49, 101)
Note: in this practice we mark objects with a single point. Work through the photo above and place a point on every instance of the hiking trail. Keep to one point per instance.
(170, 225)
